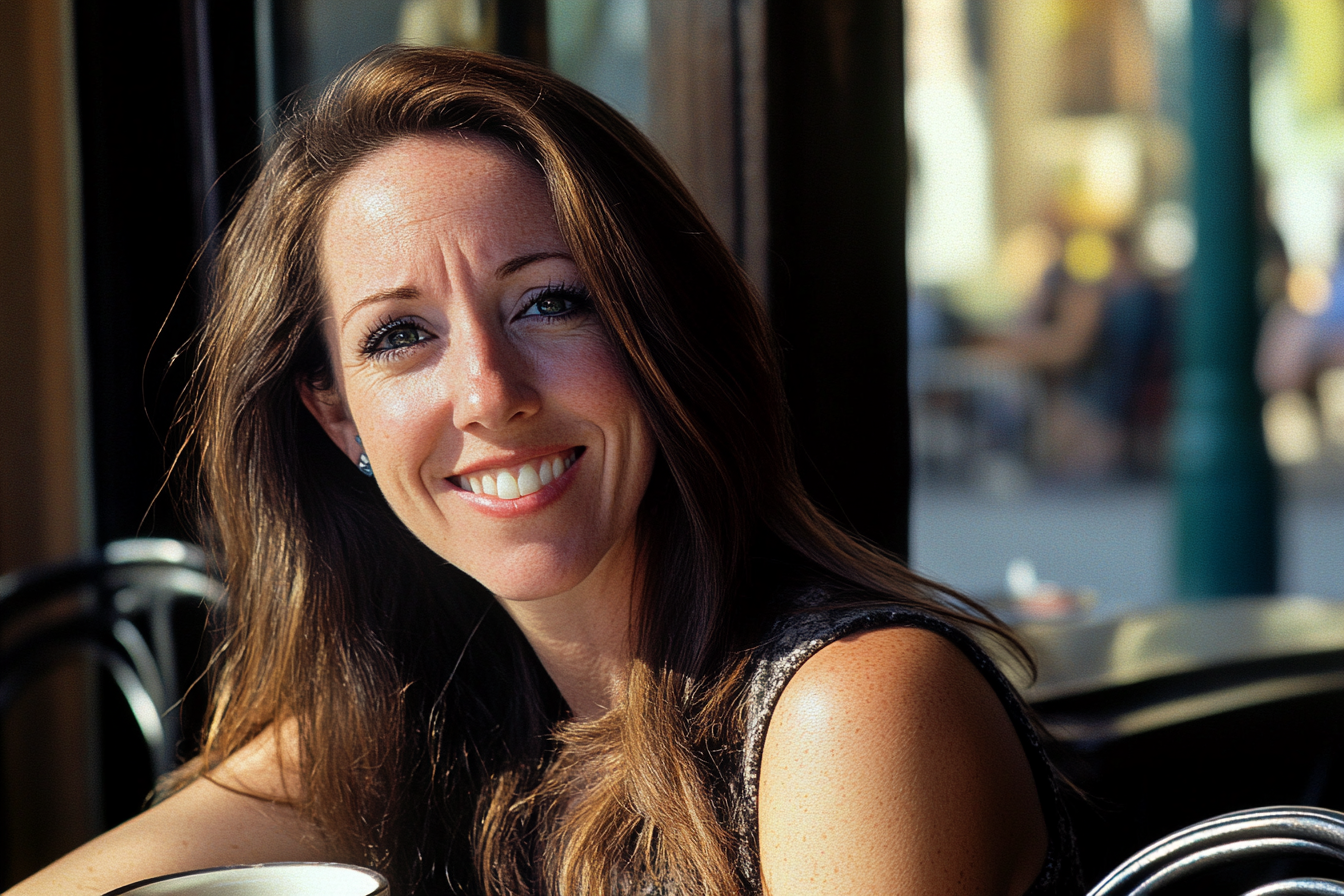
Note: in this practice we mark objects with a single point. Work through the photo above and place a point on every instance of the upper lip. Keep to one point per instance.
(508, 459)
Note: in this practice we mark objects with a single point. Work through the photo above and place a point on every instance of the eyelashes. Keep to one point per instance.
(558, 301)
(394, 335)
(555, 303)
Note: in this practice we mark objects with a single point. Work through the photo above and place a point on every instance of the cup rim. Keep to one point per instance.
(381, 890)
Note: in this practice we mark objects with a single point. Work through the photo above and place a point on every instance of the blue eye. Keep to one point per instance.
(557, 302)
(395, 335)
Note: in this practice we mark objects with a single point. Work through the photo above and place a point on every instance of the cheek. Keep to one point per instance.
(402, 401)
(590, 375)
(613, 401)
(395, 415)
(608, 391)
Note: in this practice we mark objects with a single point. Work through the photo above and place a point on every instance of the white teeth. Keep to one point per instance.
(528, 480)
(507, 485)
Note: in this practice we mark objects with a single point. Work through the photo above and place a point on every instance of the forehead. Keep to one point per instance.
(459, 179)
(417, 196)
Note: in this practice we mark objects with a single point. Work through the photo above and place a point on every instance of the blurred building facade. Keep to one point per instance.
(1050, 240)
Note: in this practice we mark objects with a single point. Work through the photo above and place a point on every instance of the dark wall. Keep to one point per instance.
(837, 241)
(167, 97)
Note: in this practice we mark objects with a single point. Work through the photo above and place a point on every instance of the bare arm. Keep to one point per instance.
(890, 767)
(1062, 344)
(205, 825)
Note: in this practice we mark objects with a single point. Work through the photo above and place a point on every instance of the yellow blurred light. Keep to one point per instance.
(1088, 256)
(1315, 40)
(1292, 433)
(1054, 18)
(1308, 289)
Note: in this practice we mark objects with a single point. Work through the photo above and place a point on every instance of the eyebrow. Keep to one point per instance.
(383, 295)
(512, 266)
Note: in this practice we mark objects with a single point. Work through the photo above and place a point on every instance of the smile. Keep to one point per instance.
(511, 483)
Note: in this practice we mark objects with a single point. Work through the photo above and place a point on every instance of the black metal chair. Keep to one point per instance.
(1273, 833)
(135, 612)
(119, 606)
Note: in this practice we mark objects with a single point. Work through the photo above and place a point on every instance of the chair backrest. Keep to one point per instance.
(117, 606)
(1274, 832)
(131, 621)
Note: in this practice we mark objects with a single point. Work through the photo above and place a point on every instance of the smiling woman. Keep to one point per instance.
(577, 629)
(466, 348)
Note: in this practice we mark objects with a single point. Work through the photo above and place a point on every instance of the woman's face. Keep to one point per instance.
(469, 360)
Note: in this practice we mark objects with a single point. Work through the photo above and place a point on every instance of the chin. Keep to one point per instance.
(546, 583)
(529, 571)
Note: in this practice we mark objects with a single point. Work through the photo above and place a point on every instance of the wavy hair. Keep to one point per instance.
(431, 743)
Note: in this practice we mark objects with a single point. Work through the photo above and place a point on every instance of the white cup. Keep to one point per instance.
(275, 879)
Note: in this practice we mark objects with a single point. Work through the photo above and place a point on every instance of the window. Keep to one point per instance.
(1050, 238)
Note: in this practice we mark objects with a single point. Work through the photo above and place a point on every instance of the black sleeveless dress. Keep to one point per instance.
(794, 638)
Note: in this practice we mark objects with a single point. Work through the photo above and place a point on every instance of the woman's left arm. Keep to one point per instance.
(891, 767)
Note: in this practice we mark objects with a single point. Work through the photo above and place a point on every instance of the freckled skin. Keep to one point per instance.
(890, 767)
(428, 222)
(457, 236)
(205, 825)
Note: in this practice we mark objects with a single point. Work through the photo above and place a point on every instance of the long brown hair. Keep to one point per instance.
(432, 744)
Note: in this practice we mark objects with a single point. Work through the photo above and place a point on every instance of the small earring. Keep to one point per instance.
(363, 464)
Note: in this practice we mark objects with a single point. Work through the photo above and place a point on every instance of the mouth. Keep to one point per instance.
(511, 483)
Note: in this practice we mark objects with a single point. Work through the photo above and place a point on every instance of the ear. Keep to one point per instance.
(329, 409)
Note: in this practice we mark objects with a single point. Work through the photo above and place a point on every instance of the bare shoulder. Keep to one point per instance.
(891, 766)
(267, 767)
(237, 815)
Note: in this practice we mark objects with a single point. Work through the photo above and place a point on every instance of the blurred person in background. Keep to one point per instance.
(1095, 334)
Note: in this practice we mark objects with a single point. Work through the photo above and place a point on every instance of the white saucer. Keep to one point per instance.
(274, 879)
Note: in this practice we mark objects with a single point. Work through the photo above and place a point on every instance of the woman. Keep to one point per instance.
(468, 314)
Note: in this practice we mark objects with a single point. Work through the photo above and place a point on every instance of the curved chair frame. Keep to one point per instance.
(1300, 886)
(86, 606)
(1271, 832)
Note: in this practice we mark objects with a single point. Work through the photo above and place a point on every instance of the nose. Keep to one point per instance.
(492, 380)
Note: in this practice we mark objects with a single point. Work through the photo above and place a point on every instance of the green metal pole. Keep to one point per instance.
(1226, 511)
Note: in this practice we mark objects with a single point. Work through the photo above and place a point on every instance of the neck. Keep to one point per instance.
(582, 637)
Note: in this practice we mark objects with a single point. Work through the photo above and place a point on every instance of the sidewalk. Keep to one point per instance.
(1112, 539)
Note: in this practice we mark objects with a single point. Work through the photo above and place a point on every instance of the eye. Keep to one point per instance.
(557, 301)
(395, 335)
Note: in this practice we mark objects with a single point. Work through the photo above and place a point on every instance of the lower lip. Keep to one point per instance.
(506, 508)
